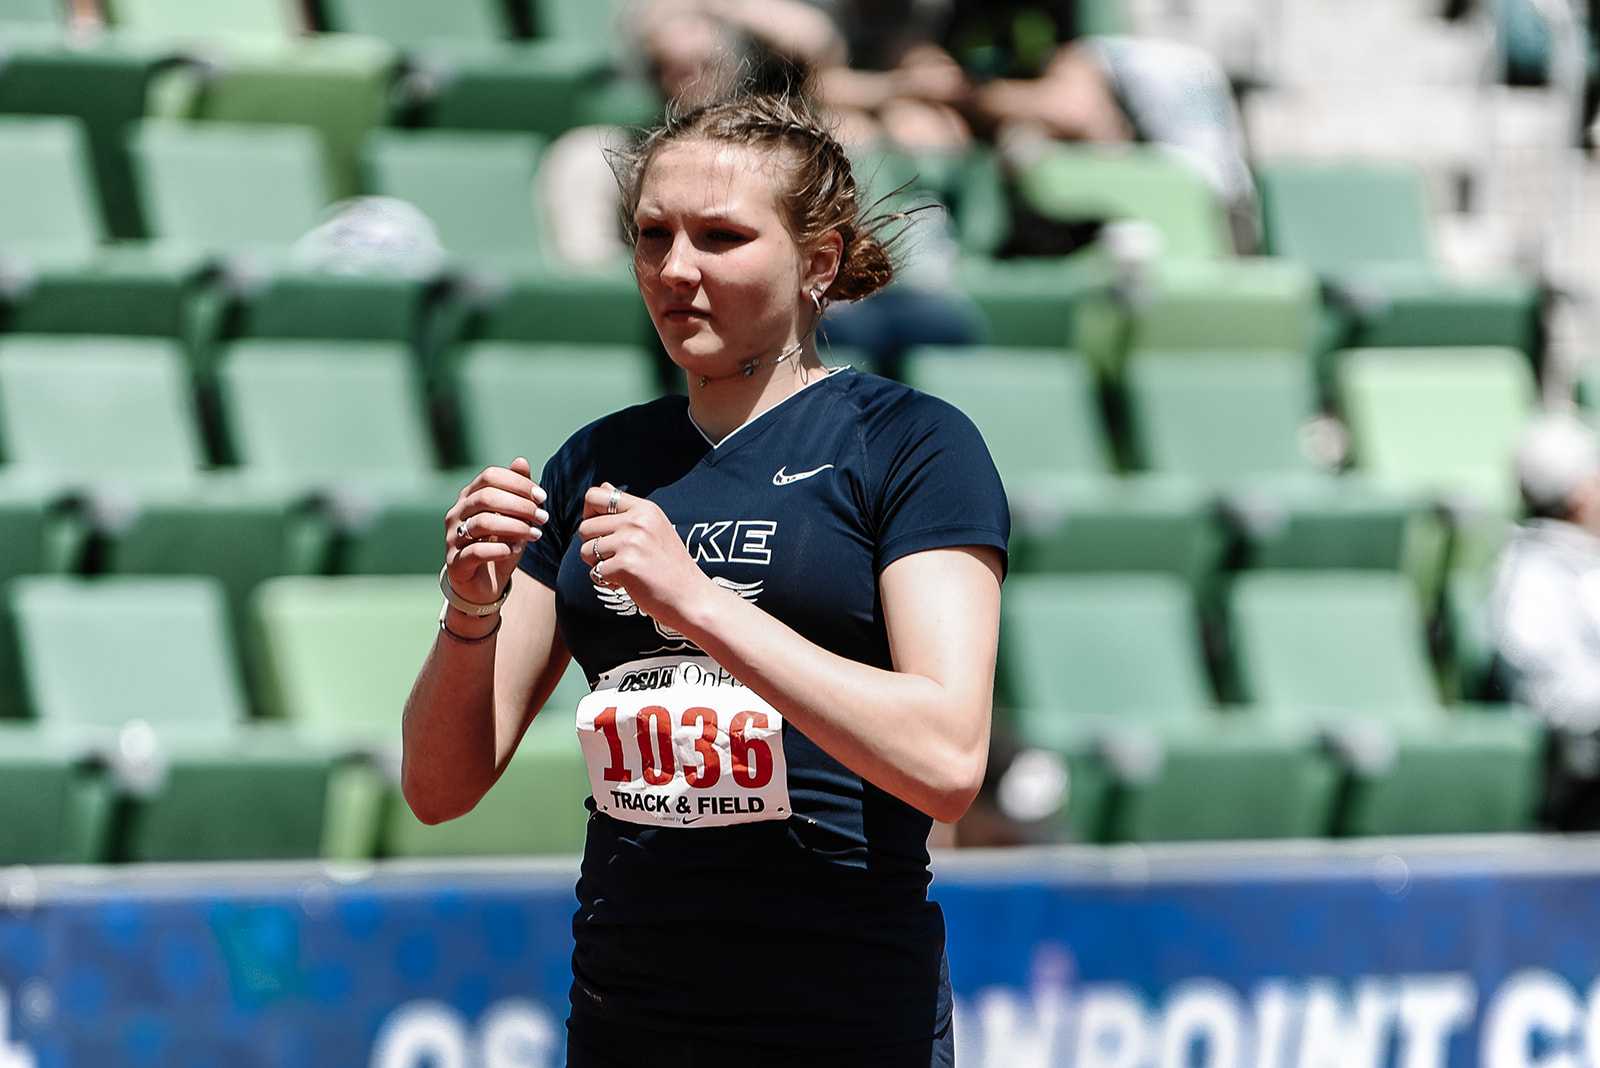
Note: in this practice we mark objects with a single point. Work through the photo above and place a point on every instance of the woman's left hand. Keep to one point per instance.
(640, 552)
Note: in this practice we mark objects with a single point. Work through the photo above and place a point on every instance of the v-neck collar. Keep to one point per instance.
(723, 447)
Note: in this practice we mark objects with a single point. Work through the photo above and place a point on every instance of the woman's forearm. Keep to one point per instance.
(472, 701)
(905, 733)
(448, 730)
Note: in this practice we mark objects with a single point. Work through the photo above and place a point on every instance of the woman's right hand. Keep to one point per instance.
(501, 512)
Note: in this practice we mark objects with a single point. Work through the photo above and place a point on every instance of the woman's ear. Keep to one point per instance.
(823, 263)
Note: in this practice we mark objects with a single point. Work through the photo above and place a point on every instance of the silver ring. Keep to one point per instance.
(461, 530)
(611, 505)
(597, 556)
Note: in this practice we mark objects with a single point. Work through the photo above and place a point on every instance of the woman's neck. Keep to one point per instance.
(723, 405)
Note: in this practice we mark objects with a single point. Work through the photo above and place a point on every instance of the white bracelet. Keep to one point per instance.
(466, 607)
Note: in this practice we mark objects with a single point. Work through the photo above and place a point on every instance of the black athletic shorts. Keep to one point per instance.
(597, 1044)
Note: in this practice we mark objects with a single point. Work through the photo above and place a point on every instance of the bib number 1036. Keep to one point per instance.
(709, 763)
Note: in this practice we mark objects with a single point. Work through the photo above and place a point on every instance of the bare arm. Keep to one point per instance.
(472, 701)
(788, 27)
(921, 731)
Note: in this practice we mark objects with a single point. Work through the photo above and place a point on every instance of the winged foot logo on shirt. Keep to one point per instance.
(742, 541)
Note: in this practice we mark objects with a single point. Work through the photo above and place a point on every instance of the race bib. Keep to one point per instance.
(676, 741)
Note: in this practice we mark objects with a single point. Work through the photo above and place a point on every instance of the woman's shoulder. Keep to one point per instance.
(887, 406)
(665, 409)
(633, 424)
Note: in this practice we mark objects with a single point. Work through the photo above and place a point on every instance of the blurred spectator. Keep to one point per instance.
(937, 74)
(1545, 609)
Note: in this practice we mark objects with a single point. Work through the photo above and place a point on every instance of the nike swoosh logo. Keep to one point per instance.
(687, 820)
(781, 479)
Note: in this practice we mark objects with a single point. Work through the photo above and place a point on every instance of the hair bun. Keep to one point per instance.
(864, 268)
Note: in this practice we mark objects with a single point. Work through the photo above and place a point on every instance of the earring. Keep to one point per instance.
(816, 299)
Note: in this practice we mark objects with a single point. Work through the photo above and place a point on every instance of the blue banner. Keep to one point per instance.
(1473, 953)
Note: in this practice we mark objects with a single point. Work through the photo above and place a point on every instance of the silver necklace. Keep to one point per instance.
(749, 367)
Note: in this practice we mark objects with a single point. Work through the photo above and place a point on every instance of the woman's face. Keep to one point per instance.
(719, 271)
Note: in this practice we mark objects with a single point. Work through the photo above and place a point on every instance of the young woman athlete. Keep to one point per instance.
(785, 592)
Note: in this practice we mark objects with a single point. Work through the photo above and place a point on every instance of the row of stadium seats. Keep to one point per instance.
(115, 423)
(161, 752)
(1427, 420)
(1338, 724)
(208, 189)
(153, 754)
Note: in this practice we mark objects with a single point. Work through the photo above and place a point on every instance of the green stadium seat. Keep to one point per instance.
(1031, 303)
(1093, 523)
(1220, 417)
(87, 410)
(114, 419)
(1237, 304)
(252, 22)
(553, 304)
(501, 384)
(1036, 409)
(1365, 229)
(1230, 305)
(103, 82)
(342, 652)
(338, 86)
(232, 529)
(205, 786)
(48, 13)
(1237, 423)
(1067, 650)
(1346, 651)
(1337, 521)
(58, 807)
(1442, 421)
(161, 649)
(419, 25)
(542, 87)
(1071, 183)
(395, 532)
(1119, 655)
(537, 806)
(1345, 217)
(255, 800)
(572, 21)
(477, 188)
(228, 187)
(290, 412)
(51, 231)
(46, 158)
(308, 303)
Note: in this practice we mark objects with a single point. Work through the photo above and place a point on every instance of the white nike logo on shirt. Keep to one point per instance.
(781, 479)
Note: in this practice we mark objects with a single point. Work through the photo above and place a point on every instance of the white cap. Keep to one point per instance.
(1557, 453)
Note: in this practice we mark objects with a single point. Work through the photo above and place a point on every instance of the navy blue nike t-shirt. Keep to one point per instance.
(815, 929)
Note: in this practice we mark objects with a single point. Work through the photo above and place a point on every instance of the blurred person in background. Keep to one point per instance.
(804, 564)
(941, 75)
(1545, 610)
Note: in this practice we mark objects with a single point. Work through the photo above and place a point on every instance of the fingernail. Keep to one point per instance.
(542, 516)
(538, 494)
(536, 535)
